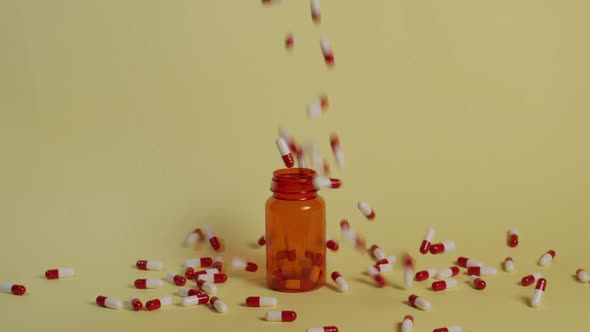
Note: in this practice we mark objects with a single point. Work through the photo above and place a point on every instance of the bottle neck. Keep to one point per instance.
(293, 184)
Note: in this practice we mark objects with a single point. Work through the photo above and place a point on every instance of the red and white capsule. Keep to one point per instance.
(508, 264)
(13, 289)
(109, 302)
(320, 182)
(149, 265)
(217, 278)
(340, 281)
(582, 275)
(351, 236)
(315, 11)
(207, 287)
(194, 237)
(281, 316)
(530, 279)
(447, 273)
(547, 258)
(219, 305)
(427, 241)
(187, 291)
(58, 273)
(261, 301)
(327, 51)
(317, 106)
(513, 237)
(468, 262)
(538, 293)
(337, 150)
(420, 303)
(377, 252)
(156, 304)
(199, 262)
(135, 303)
(425, 274)
(440, 248)
(407, 323)
(441, 285)
(322, 329)
(148, 283)
(366, 210)
(387, 260)
(454, 328)
(195, 299)
(177, 279)
(213, 239)
(240, 264)
(481, 271)
(285, 152)
(478, 283)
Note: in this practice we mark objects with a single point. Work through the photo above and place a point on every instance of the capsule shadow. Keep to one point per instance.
(526, 300)
(363, 281)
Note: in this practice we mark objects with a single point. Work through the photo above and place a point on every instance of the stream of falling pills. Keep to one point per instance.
(201, 278)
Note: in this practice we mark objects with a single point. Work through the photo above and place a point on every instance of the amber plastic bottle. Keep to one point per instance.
(295, 232)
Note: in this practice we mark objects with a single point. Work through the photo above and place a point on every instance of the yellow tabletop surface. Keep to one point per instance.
(126, 124)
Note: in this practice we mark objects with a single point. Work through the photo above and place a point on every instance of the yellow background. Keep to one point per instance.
(125, 124)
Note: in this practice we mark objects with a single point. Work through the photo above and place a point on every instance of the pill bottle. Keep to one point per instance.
(295, 232)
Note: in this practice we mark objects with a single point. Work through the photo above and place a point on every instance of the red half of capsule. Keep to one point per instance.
(215, 244)
(462, 261)
(140, 283)
(251, 267)
(513, 240)
(527, 280)
(479, 284)
(18, 289)
(100, 300)
(541, 284)
(439, 285)
(474, 270)
(218, 265)
(437, 248)
(441, 329)
(153, 304)
(201, 297)
(288, 316)
(288, 160)
(179, 280)
(410, 317)
(52, 274)
(189, 273)
(141, 264)
(332, 245)
(262, 241)
(424, 247)
(380, 280)
(412, 299)
(253, 301)
(136, 305)
(422, 275)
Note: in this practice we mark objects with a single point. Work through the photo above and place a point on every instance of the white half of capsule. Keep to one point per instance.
(184, 290)
(192, 262)
(537, 275)
(238, 263)
(274, 316)
(322, 182)
(342, 284)
(283, 146)
(284, 134)
(6, 287)
(430, 235)
(449, 245)
(473, 262)
(189, 301)
(444, 274)
(209, 232)
(583, 276)
(220, 306)
(349, 235)
(509, 265)
(267, 301)
(409, 277)
(207, 277)
(385, 267)
(407, 325)
(379, 254)
(65, 272)
(365, 208)
(113, 303)
(455, 328)
(339, 156)
(133, 297)
(209, 288)
(315, 329)
(537, 298)
(165, 301)
(192, 239)
(422, 304)
(315, 7)
(325, 44)
(154, 283)
(513, 231)
(487, 271)
(451, 283)
(314, 109)
(154, 265)
(545, 259)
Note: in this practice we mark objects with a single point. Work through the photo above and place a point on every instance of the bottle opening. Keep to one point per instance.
(293, 184)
